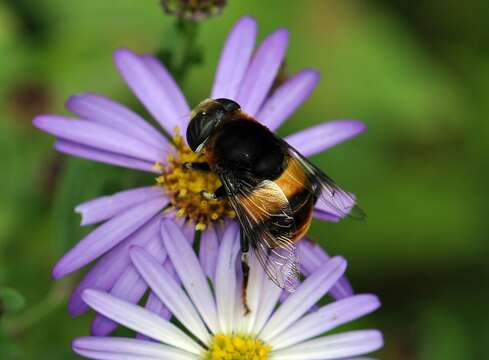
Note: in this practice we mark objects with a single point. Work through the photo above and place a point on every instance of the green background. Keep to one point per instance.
(417, 73)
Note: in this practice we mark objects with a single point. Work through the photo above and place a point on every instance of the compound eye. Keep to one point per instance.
(228, 104)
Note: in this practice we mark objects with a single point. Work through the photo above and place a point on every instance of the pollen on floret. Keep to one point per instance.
(236, 347)
(184, 187)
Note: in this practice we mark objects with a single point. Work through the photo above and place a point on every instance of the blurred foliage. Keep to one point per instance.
(417, 73)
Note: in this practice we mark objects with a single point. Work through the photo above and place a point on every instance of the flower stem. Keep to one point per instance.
(14, 325)
(181, 52)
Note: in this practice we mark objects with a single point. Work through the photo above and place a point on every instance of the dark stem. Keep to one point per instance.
(181, 50)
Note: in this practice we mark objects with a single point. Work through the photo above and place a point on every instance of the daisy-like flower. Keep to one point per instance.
(214, 316)
(108, 132)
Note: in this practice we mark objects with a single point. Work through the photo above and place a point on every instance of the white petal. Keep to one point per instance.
(225, 282)
(308, 293)
(337, 346)
(140, 320)
(269, 298)
(190, 272)
(169, 292)
(326, 318)
(253, 291)
(126, 348)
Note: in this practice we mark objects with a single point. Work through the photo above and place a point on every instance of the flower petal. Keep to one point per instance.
(262, 71)
(154, 304)
(109, 268)
(326, 318)
(235, 57)
(139, 319)
(155, 95)
(253, 291)
(325, 216)
(308, 293)
(107, 235)
(225, 278)
(170, 293)
(323, 136)
(129, 287)
(171, 87)
(312, 257)
(287, 98)
(191, 274)
(208, 249)
(105, 111)
(269, 298)
(86, 152)
(337, 346)
(98, 136)
(118, 348)
(106, 207)
(339, 204)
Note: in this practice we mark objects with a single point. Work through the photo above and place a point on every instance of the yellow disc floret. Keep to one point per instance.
(236, 347)
(184, 187)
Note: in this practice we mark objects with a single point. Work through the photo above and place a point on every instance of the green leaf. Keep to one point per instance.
(10, 300)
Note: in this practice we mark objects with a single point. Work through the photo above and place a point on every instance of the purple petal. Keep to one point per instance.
(170, 293)
(105, 111)
(321, 137)
(109, 268)
(139, 319)
(107, 235)
(191, 274)
(169, 84)
(308, 293)
(208, 249)
(337, 346)
(158, 97)
(325, 216)
(225, 279)
(262, 71)
(312, 257)
(86, 152)
(125, 348)
(326, 318)
(287, 98)
(154, 305)
(235, 57)
(338, 204)
(129, 287)
(98, 136)
(106, 207)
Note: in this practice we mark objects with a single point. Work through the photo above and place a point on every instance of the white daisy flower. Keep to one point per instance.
(212, 317)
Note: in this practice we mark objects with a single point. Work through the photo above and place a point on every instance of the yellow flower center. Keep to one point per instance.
(236, 347)
(184, 187)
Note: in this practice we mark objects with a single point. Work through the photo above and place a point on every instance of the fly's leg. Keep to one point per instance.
(199, 166)
(216, 195)
(245, 247)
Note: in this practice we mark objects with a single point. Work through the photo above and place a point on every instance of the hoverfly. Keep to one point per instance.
(270, 185)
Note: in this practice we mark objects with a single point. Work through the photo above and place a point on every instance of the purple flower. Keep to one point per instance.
(216, 319)
(106, 131)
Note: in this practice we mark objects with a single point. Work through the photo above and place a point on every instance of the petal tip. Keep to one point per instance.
(58, 270)
(39, 121)
(313, 74)
(135, 252)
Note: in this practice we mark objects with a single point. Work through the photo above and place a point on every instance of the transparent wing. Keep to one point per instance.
(330, 196)
(266, 221)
